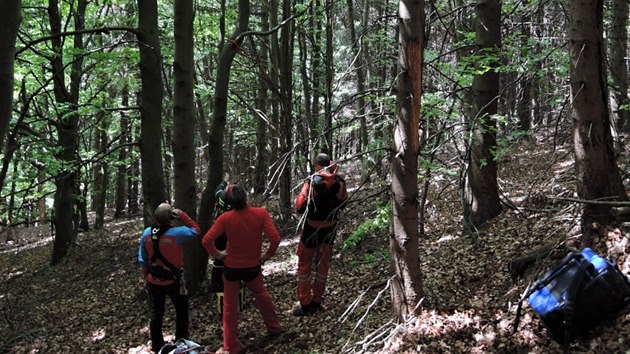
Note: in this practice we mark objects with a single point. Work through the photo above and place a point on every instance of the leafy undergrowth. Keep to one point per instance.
(94, 300)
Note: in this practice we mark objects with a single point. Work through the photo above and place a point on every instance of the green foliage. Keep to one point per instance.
(380, 222)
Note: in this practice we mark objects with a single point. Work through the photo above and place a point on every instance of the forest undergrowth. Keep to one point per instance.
(93, 302)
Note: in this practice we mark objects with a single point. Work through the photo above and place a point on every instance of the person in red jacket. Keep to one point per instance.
(244, 226)
(321, 198)
(161, 261)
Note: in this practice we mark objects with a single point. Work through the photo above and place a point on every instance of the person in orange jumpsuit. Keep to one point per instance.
(322, 196)
(243, 226)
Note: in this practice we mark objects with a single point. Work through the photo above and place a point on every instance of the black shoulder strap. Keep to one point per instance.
(156, 233)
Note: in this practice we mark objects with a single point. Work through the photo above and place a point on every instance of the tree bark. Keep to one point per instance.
(406, 288)
(618, 44)
(359, 67)
(330, 73)
(67, 129)
(184, 109)
(314, 13)
(217, 129)
(101, 178)
(262, 119)
(10, 17)
(122, 166)
(596, 168)
(151, 95)
(183, 139)
(286, 105)
(482, 202)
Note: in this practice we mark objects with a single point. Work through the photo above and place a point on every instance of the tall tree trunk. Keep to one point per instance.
(330, 73)
(10, 17)
(122, 166)
(151, 95)
(67, 129)
(274, 50)
(196, 258)
(618, 44)
(404, 246)
(359, 68)
(314, 13)
(596, 168)
(304, 132)
(133, 193)
(184, 110)
(523, 108)
(262, 107)
(536, 82)
(483, 202)
(286, 104)
(217, 129)
(101, 179)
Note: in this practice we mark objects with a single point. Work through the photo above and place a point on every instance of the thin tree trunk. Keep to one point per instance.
(275, 72)
(404, 246)
(262, 107)
(152, 170)
(524, 106)
(595, 163)
(618, 38)
(133, 192)
(10, 18)
(314, 12)
(360, 70)
(286, 103)
(122, 169)
(330, 73)
(101, 180)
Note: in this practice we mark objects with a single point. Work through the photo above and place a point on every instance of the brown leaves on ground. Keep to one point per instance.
(94, 302)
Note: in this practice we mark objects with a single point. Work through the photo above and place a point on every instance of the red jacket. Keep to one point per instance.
(170, 247)
(244, 229)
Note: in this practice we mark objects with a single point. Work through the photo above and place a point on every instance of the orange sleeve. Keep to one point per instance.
(302, 198)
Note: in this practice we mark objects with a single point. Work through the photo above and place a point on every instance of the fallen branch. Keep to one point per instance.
(595, 202)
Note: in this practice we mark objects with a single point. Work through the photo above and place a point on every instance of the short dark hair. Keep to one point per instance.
(237, 197)
(163, 213)
(322, 160)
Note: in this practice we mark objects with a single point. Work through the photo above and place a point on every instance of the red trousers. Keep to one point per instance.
(264, 303)
(319, 257)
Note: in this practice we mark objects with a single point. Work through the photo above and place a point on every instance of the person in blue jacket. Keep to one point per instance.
(161, 260)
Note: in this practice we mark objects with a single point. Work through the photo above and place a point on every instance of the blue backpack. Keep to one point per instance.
(577, 294)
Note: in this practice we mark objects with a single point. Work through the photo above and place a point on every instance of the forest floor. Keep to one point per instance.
(93, 302)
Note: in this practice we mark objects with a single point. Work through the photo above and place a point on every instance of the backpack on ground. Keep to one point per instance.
(578, 293)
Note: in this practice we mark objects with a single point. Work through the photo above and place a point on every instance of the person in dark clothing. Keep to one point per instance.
(322, 196)
(216, 278)
(161, 260)
(244, 227)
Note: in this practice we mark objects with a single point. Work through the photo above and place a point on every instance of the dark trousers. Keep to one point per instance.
(157, 297)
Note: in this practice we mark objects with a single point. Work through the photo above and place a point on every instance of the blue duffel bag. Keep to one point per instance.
(577, 294)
